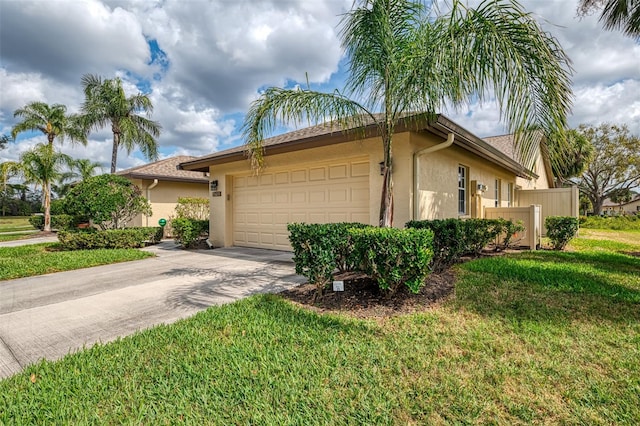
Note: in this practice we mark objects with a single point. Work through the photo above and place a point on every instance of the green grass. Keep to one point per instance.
(16, 236)
(536, 337)
(15, 223)
(38, 259)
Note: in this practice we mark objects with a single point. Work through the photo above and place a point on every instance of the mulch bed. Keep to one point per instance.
(362, 298)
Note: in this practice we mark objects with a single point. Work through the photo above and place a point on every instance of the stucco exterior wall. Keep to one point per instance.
(540, 183)
(436, 179)
(437, 183)
(164, 197)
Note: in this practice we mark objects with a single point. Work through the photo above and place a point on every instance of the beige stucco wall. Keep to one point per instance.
(540, 183)
(436, 181)
(164, 197)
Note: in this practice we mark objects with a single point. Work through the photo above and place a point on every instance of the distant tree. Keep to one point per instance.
(8, 170)
(51, 120)
(84, 168)
(621, 196)
(110, 201)
(55, 124)
(569, 156)
(402, 59)
(4, 140)
(106, 104)
(623, 15)
(615, 165)
(43, 165)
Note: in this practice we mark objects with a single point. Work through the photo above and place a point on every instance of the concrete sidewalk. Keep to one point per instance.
(51, 315)
(32, 240)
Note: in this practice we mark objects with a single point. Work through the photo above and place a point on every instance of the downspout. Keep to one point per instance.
(149, 188)
(416, 168)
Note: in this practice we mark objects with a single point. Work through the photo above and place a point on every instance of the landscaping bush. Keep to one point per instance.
(187, 232)
(507, 231)
(193, 208)
(109, 239)
(618, 223)
(560, 230)
(395, 256)
(454, 238)
(58, 222)
(320, 249)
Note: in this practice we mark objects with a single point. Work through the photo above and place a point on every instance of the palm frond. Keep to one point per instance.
(278, 106)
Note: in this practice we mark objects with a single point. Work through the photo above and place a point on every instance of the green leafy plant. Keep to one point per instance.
(187, 232)
(109, 239)
(454, 238)
(58, 222)
(193, 208)
(619, 223)
(320, 249)
(560, 230)
(110, 201)
(395, 256)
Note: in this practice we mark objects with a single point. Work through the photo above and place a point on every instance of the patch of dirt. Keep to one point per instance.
(362, 298)
(632, 253)
(40, 235)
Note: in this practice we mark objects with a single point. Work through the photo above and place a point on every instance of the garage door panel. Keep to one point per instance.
(262, 207)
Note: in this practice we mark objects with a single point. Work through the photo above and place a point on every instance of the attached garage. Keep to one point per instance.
(315, 193)
(321, 175)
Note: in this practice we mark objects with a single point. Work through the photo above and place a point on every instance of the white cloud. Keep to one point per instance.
(220, 53)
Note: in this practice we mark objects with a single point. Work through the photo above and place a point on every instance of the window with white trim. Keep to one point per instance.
(463, 173)
(496, 192)
(510, 195)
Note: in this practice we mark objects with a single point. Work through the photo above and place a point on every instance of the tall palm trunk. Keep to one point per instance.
(47, 207)
(114, 152)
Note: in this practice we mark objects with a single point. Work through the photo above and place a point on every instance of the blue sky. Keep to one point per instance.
(203, 62)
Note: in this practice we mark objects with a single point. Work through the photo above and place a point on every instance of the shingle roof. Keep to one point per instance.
(327, 134)
(166, 170)
(505, 144)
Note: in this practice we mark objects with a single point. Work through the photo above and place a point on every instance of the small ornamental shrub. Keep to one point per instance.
(508, 233)
(58, 222)
(192, 208)
(320, 249)
(187, 232)
(618, 223)
(454, 238)
(394, 257)
(560, 230)
(109, 239)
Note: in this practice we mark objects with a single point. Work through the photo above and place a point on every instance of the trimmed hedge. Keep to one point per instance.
(454, 238)
(187, 232)
(109, 239)
(320, 249)
(618, 223)
(561, 230)
(60, 221)
(395, 256)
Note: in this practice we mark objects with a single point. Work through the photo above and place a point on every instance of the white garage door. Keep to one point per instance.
(318, 193)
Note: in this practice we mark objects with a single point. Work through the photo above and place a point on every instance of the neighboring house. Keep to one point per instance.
(610, 208)
(321, 174)
(162, 183)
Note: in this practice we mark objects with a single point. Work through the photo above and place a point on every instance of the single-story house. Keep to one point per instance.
(610, 208)
(162, 183)
(322, 174)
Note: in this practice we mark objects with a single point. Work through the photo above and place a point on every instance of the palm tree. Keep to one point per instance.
(106, 103)
(82, 169)
(41, 166)
(403, 59)
(623, 15)
(52, 120)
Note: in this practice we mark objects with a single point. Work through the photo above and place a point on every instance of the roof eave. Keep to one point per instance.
(165, 178)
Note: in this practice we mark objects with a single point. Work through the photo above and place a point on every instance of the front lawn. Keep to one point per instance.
(535, 337)
(38, 259)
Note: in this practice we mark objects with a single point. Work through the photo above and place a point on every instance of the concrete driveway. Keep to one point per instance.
(51, 315)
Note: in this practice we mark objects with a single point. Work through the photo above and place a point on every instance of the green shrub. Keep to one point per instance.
(507, 231)
(320, 249)
(618, 223)
(454, 238)
(58, 222)
(560, 230)
(109, 239)
(395, 256)
(187, 231)
(192, 208)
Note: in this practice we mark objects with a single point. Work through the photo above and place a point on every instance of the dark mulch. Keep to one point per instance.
(363, 299)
